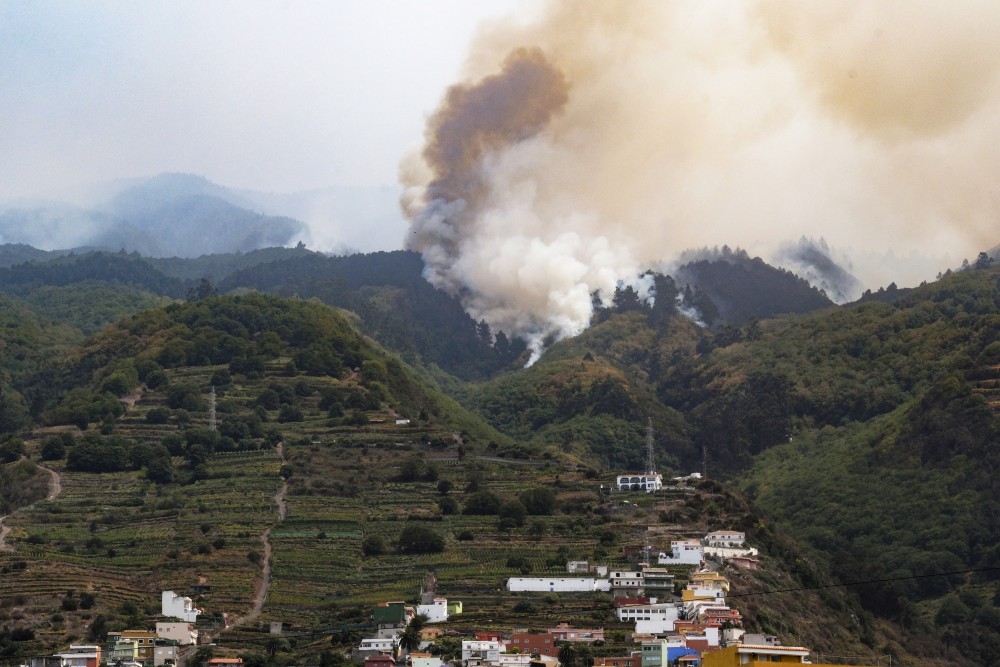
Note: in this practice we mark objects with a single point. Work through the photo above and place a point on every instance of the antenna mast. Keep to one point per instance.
(650, 463)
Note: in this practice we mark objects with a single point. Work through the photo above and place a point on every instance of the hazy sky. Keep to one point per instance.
(272, 96)
(583, 140)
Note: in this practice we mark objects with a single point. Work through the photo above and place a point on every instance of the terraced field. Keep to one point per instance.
(124, 538)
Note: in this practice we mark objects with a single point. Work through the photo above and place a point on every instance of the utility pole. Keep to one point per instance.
(211, 409)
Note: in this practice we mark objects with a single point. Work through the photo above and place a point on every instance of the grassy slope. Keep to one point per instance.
(124, 538)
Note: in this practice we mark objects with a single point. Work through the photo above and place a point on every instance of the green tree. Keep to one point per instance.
(482, 503)
(511, 515)
(11, 450)
(416, 539)
(540, 500)
(54, 447)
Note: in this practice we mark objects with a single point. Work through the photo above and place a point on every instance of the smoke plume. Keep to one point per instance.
(602, 138)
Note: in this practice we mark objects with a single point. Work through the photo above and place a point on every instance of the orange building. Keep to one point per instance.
(758, 656)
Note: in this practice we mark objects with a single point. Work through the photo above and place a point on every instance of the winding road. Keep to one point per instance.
(265, 537)
(55, 488)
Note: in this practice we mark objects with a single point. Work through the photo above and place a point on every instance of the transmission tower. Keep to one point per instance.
(650, 463)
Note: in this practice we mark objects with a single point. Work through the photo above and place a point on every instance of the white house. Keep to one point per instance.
(378, 645)
(422, 661)
(654, 627)
(183, 633)
(436, 611)
(709, 635)
(577, 566)
(623, 579)
(478, 652)
(663, 613)
(514, 660)
(683, 552)
(557, 584)
(726, 553)
(636, 481)
(177, 606)
(726, 538)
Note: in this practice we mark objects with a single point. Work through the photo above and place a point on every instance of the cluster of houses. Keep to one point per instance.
(391, 619)
(680, 649)
(693, 628)
(95, 655)
(722, 546)
(139, 648)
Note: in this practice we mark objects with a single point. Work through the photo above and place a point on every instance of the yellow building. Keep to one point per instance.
(707, 579)
(704, 594)
(757, 656)
(144, 639)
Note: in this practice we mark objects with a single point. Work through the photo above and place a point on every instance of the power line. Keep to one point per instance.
(867, 582)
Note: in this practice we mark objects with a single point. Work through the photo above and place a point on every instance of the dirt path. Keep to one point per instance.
(265, 538)
(132, 398)
(55, 488)
(55, 483)
(4, 529)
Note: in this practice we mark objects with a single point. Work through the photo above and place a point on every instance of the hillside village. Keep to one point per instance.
(670, 624)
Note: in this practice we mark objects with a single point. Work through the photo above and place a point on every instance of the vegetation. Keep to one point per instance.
(865, 432)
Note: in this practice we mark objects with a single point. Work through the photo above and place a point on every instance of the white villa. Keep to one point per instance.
(726, 538)
(435, 611)
(683, 552)
(177, 606)
(480, 651)
(647, 482)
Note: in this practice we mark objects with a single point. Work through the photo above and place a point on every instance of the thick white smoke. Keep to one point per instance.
(608, 136)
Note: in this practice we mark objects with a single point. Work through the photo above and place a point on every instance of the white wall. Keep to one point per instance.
(182, 633)
(435, 613)
(557, 584)
(176, 606)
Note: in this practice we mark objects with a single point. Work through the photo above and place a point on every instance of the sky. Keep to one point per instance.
(545, 149)
(261, 95)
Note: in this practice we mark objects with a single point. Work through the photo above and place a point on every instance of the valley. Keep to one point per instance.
(282, 461)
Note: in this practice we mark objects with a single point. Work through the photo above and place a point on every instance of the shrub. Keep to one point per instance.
(524, 607)
(373, 545)
(53, 448)
(482, 503)
(420, 540)
(158, 416)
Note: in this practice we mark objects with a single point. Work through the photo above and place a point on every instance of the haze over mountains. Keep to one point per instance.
(187, 216)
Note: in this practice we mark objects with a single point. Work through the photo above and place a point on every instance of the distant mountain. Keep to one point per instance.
(169, 215)
(187, 215)
(18, 253)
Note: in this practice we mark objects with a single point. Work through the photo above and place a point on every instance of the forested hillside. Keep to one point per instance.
(866, 431)
(869, 431)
